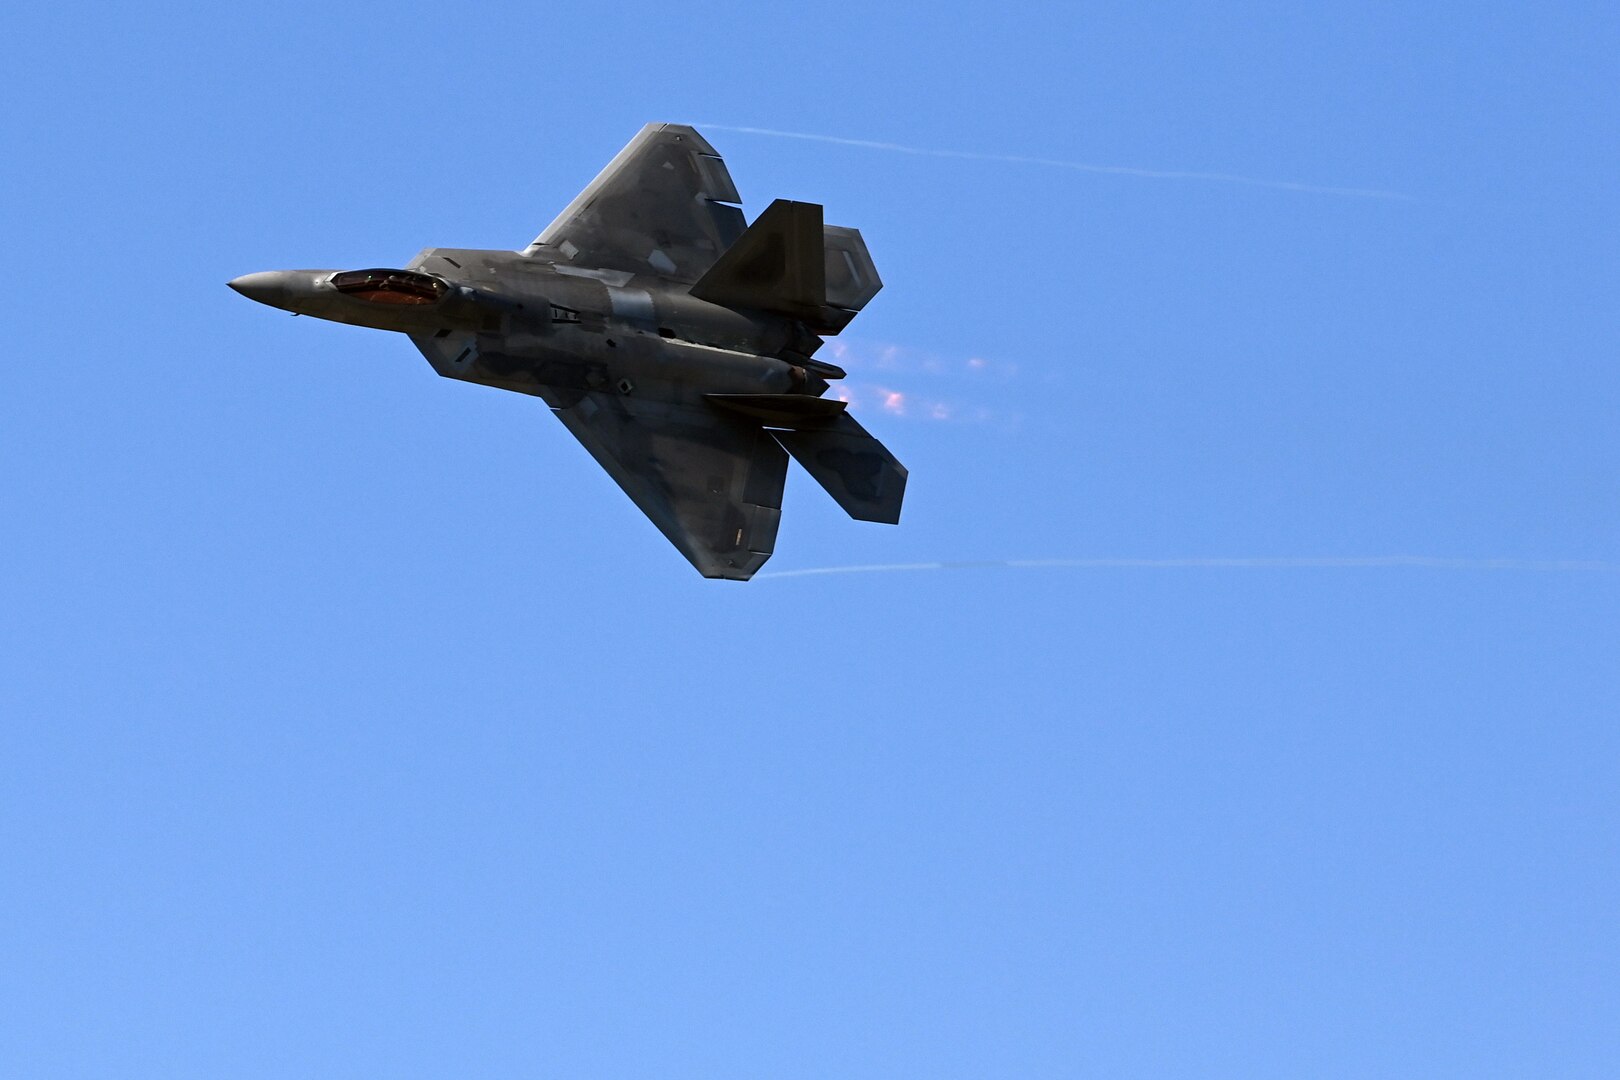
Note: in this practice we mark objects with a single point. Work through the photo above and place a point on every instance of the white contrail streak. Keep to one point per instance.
(1306, 563)
(1076, 166)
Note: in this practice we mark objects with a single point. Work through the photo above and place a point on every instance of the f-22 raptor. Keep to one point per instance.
(673, 339)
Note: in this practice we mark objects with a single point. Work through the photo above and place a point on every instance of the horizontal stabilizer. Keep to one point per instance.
(780, 410)
(857, 470)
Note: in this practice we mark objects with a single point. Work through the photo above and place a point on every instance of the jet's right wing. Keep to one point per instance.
(711, 483)
(665, 205)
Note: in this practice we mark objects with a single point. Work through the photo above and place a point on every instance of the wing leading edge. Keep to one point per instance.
(666, 205)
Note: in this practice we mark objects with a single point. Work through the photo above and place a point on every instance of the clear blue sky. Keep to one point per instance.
(355, 725)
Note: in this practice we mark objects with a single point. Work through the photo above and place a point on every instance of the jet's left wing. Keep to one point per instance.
(665, 205)
(711, 483)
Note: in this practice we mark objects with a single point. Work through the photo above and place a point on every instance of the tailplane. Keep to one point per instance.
(855, 469)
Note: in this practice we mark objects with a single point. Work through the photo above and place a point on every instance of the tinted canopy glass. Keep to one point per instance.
(390, 286)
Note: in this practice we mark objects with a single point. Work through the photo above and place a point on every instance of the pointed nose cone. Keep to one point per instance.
(269, 287)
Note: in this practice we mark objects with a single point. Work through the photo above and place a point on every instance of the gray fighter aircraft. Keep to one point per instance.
(674, 342)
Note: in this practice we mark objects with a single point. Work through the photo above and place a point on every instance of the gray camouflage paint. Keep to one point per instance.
(674, 341)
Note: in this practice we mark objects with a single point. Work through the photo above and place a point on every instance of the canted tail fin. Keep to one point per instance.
(852, 279)
(788, 263)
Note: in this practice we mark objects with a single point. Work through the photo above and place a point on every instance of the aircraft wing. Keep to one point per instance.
(712, 484)
(665, 205)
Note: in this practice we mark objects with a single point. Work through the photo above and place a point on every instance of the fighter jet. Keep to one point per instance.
(673, 339)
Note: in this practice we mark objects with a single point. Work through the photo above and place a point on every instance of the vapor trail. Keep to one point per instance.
(1355, 562)
(1076, 166)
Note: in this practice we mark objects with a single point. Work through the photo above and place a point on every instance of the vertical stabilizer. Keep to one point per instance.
(788, 263)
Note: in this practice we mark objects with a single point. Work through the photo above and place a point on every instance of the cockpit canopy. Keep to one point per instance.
(390, 286)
